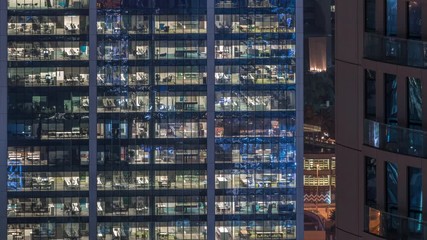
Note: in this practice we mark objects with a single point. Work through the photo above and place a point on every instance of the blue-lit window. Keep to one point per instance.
(415, 199)
(391, 17)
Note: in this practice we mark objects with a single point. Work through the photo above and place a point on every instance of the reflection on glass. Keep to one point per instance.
(415, 199)
(391, 98)
(414, 18)
(391, 17)
(391, 187)
(48, 124)
(415, 102)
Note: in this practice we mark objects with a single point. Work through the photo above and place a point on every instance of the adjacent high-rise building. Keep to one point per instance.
(381, 119)
(151, 119)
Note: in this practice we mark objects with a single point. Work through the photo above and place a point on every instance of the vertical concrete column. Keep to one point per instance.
(402, 18)
(300, 117)
(211, 118)
(380, 16)
(92, 122)
(380, 180)
(3, 120)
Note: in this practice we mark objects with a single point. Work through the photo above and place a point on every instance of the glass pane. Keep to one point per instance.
(391, 187)
(391, 17)
(415, 198)
(370, 94)
(391, 98)
(371, 181)
(370, 9)
(414, 18)
(414, 102)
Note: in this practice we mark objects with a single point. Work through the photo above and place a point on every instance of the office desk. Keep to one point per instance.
(222, 206)
(185, 206)
(72, 80)
(186, 106)
(225, 4)
(188, 236)
(42, 183)
(184, 53)
(244, 234)
(118, 233)
(160, 208)
(222, 182)
(73, 53)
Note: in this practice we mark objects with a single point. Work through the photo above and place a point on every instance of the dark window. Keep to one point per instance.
(390, 98)
(414, 18)
(391, 187)
(370, 15)
(370, 94)
(391, 178)
(371, 181)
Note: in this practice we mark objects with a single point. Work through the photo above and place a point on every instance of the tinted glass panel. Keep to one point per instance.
(391, 187)
(414, 18)
(371, 181)
(370, 9)
(391, 181)
(391, 98)
(415, 198)
(391, 17)
(370, 94)
(414, 102)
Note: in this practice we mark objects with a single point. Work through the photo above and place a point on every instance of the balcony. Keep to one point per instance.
(387, 225)
(395, 50)
(394, 138)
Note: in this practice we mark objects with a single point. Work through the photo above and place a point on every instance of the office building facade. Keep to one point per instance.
(381, 119)
(151, 119)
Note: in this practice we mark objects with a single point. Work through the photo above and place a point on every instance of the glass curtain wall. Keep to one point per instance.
(151, 82)
(47, 119)
(255, 119)
(151, 88)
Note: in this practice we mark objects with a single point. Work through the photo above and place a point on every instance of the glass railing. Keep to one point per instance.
(395, 50)
(389, 226)
(395, 139)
